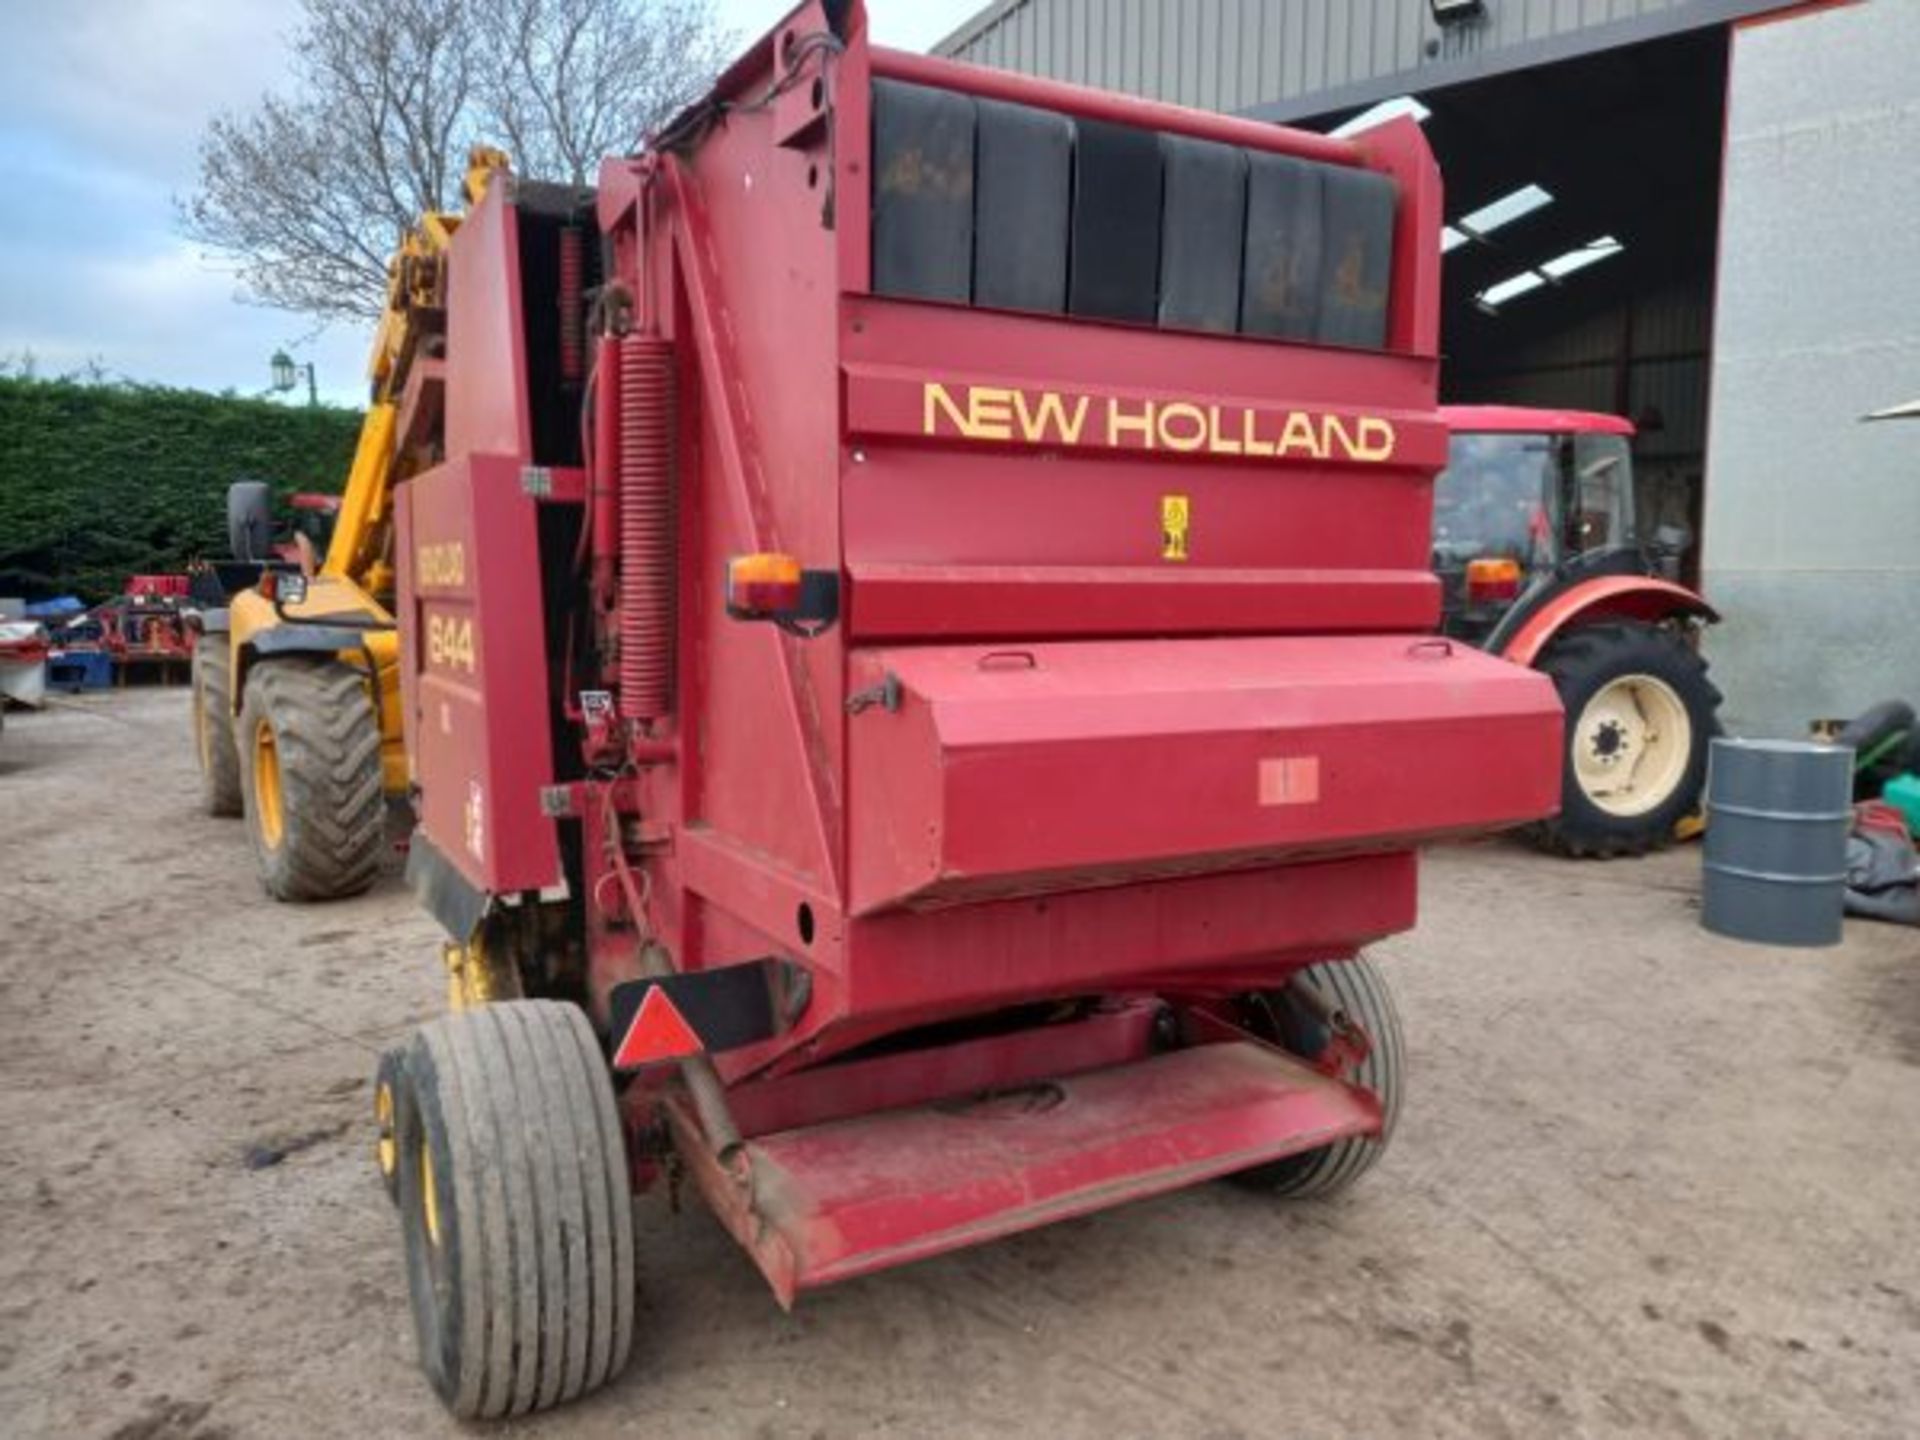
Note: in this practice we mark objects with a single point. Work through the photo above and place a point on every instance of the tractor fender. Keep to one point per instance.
(1607, 597)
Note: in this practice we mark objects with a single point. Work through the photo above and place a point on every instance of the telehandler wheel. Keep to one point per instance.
(310, 774)
(213, 742)
(1357, 989)
(1640, 714)
(514, 1207)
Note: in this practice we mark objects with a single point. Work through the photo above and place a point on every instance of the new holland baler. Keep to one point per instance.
(918, 665)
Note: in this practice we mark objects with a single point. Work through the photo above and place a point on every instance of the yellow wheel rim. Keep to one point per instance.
(429, 1198)
(1631, 745)
(268, 806)
(385, 1149)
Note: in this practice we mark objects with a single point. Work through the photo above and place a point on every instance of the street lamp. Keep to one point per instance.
(286, 375)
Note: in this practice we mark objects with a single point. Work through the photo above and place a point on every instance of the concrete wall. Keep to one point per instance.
(1812, 544)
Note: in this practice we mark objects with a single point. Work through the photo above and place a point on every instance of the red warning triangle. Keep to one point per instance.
(658, 1032)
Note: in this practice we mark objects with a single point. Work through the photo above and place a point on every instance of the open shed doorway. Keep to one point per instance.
(1593, 289)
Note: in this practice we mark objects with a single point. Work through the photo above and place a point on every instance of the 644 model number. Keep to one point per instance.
(450, 642)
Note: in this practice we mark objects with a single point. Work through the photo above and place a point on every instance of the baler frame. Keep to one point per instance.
(1021, 864)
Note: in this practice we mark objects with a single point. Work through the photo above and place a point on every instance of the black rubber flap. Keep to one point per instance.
(1115, 271)
(1202, 233)
(922, 192)
(1282, 285)
(1024, 171)
(1357, 256)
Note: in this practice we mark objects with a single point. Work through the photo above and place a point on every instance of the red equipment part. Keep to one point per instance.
(865, 1194)
(1619, 597)
(157, 585)
(1109, 694)
(1525, 420)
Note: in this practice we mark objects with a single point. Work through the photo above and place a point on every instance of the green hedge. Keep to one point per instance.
(99, 482)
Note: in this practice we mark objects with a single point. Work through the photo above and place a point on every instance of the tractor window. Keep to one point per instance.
(1498, 498)
(1603, 493)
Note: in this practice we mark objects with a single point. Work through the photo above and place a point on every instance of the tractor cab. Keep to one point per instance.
(1530, 501)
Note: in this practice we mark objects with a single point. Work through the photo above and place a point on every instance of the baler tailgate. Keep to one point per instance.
(842, 1199)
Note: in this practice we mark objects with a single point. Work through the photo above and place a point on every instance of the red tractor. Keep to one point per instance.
(1541, 561)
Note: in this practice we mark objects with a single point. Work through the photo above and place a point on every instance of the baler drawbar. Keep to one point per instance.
(918, 668)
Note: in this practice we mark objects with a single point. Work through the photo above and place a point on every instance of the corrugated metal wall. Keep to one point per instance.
(1647, 360)
(1235, 54)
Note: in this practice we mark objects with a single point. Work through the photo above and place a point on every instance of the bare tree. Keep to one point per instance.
(310, 191)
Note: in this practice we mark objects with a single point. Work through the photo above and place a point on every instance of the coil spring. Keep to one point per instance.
(646, 526)
(573, 339)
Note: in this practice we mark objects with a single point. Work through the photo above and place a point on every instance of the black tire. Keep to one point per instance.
(1581, 664)
(213, 743)
(1884, 740)
(1875, 726)
(1358, 989)
(325, 752)
(521, 1268)
(250, 520)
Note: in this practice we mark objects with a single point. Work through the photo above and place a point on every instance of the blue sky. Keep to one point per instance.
(101, 105)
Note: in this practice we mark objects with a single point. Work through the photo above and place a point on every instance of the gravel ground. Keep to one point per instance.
(1647, 1182)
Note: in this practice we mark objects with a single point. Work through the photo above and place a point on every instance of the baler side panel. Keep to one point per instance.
(483, 747)
(486, 397)
(736, 244)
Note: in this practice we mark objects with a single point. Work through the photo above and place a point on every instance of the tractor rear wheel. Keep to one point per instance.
(1357, 989)
(514, 1207)
(213, 743)
(1640, 713)
(310, 775)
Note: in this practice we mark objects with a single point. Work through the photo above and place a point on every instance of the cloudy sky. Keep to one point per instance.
(101, 105)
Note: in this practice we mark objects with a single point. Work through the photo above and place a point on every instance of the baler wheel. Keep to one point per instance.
(1640, 715)
(1358, 989)
(387, 1087)
(213, 742)
(311, 778)
(515, 1208)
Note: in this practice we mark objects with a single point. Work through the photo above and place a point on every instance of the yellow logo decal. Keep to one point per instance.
(1049, 417)
(443, 564)
(1176, 515)
(450, 642)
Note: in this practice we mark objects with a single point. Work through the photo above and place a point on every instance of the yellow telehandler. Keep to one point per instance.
(296, 696)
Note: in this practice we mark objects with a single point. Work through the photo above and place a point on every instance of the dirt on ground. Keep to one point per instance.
(1647, 1182)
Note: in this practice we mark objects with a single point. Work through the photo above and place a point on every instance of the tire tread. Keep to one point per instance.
(547, 1300)
(327, 728)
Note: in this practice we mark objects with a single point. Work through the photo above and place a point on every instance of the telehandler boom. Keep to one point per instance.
(297, 714)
